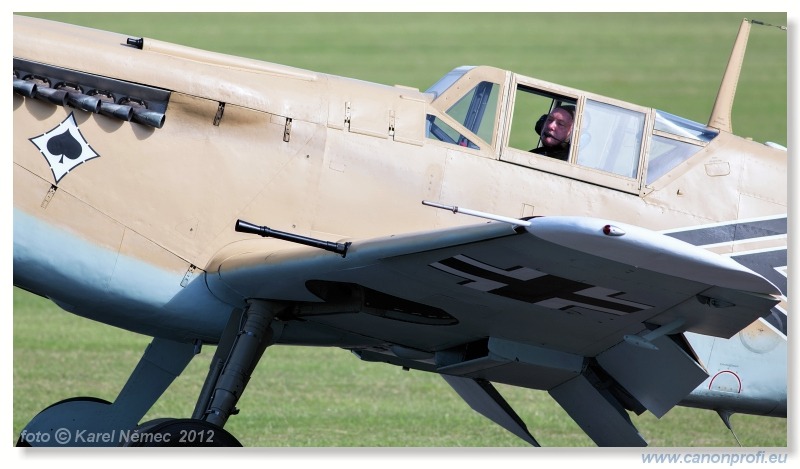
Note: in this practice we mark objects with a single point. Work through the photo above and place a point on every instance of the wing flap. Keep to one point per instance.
(657, 378)
(597, 413)
(484, 399)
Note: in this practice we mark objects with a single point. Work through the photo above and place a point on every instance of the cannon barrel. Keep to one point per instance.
(247, 227)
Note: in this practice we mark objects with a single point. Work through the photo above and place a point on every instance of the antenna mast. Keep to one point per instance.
(721, 114)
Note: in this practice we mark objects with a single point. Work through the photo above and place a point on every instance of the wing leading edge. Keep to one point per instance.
(548, 306)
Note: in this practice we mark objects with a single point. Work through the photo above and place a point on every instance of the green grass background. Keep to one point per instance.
(327, 397)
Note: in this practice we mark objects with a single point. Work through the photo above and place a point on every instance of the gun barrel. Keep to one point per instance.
(247, 227)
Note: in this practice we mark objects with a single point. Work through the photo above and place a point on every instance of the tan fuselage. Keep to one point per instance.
(317, 155)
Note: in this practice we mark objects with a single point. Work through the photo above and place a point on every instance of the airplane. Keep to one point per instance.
(279, 206)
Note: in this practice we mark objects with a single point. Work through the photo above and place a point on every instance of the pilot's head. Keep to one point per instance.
(557, 127)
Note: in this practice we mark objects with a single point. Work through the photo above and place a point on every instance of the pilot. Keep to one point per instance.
(555, 133)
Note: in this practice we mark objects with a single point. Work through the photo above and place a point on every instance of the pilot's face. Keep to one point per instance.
(557, 128)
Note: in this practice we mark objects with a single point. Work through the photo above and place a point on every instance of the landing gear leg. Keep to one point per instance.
(241, 347)
(93, 422)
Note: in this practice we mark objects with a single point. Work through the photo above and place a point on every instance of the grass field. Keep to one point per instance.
(326, 397)
(321, 397)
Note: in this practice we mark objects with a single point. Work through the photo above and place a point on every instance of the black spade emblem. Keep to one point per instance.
(65, 145)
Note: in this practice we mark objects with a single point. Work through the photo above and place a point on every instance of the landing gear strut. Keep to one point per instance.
(242, 345)
(94, 422)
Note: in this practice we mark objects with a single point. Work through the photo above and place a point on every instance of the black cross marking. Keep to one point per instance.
(528, 285)
(771, 264)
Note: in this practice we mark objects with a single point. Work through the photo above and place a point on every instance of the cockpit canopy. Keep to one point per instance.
(511, 117)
